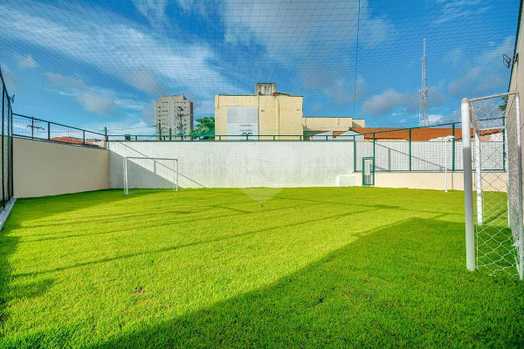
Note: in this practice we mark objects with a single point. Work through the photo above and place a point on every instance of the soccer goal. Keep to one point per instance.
(492, 158)
(152, 172)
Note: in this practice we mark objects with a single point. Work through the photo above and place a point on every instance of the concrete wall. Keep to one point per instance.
(265, 164)
(234, 164)
(45, 168)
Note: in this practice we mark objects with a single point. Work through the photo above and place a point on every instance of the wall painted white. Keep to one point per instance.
(234, 164)
(45, 168)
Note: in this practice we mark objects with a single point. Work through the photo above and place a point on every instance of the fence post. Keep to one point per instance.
(409, 149)
(48, 130)
(453, 145)
(354, 153)
(105, 134)
(374, 143)
(83, 136)
(170, 134)
(504, 144)
(3, 112)
(32, 128)
(468, 186)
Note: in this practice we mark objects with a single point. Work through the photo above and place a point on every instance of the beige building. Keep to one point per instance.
(270, 113)
(331, 123)
(265, 113)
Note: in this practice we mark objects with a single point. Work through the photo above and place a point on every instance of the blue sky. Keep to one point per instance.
(103, 63)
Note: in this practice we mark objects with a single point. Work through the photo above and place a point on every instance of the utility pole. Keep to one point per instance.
(180, 124)
(423, 111)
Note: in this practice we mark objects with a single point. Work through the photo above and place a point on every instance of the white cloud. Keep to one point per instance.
(27, 62)
(128, 125)
(436, 118)
(483, 74)
(115, 46)
(197, 6)
(154, 11)
(291, 29)
(95, 103)
(388, 101)
(451, 10)
(332, 83)
(92, 98)
(9, 79)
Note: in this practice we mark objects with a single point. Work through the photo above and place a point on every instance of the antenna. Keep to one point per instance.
(423, 113)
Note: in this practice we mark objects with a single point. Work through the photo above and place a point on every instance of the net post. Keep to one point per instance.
(409, 149)
(453, 146)
(354, 153)
(520, 183)
(478, 180)
(126, 191)
(468, 187)
(176, 175)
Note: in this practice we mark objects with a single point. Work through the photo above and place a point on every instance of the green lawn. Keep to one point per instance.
(317, 267)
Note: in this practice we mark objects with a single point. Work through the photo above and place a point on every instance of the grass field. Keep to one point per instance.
(318, 267)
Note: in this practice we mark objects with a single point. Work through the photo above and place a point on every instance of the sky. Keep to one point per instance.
(94, 64)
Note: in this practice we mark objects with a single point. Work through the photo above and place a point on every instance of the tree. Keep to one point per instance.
(205, 128)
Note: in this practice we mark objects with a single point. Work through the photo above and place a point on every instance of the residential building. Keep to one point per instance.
(267, 112)
(272, 113)
(173, 115)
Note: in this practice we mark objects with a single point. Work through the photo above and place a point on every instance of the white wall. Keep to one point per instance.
(234, 164)
(45, 168)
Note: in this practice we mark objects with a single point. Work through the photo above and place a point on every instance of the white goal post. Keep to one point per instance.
(494, 224)
(175, 171)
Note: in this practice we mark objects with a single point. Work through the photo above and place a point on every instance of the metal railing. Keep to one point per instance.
(34, 128)
(224, 138)
(6, 146)
(434, 148)
(429, 148)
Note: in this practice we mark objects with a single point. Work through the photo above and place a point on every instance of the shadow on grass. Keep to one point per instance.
(26, 290)
(149, 223)
(401, 285)
(48, 206)
(192, 244)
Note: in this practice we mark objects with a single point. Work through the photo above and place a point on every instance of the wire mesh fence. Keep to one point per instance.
(433, 148)
(497, 197)
(6, 146)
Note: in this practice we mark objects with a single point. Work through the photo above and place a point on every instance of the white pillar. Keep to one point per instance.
(521, 213)
(468, 186)
(126, 191)
(478, 180)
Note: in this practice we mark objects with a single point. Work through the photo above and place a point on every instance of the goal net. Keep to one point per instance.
(492, 153)
(150, 172)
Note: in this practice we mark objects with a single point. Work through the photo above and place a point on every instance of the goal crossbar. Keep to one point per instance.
(126, 176)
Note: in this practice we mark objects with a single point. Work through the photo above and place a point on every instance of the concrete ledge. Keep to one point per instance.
(6, 212)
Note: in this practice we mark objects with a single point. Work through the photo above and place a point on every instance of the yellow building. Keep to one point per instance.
(271, 115)
(331, 123)
(267, 113)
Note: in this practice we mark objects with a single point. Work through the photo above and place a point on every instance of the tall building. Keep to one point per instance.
(174, 115)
